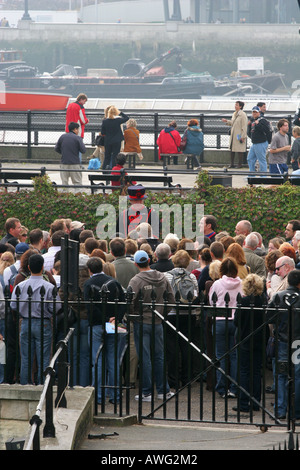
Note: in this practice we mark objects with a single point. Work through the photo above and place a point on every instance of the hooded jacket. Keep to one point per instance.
(168, 141)
(230, 285)
(195, 143)
(145, 282)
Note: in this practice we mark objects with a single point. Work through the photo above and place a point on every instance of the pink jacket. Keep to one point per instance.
(226, 284)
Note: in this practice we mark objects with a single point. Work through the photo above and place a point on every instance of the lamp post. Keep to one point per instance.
(26, 15)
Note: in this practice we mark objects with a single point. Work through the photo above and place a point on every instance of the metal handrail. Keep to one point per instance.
(35, 420)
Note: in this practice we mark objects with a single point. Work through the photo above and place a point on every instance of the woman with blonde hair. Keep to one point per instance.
(236, 251)
(132, 139)
(7, 259)
(113, 135)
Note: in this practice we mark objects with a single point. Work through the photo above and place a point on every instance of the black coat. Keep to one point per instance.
(111, 129)
(91, 289)
(283, 314)
(250, 321)
(163, 265)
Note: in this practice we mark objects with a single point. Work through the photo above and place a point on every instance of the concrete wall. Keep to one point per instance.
(84, 33)
(212, 47)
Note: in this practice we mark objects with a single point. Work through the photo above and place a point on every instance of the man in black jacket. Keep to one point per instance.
(163, 263)
(287, 301)
(102, 317)
(258, 128)
(70, 145)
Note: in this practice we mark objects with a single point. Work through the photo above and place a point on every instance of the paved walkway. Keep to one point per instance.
(178, 438)
(183, 178)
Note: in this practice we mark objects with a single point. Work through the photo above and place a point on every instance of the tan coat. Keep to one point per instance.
(238, 123)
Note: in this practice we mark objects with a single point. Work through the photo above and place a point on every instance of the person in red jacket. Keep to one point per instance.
(76, 113)
(116, 170)
(169, 140)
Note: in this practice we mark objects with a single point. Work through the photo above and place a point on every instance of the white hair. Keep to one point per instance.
(297, 235)
(163, 251)
(251, 241)
(171, 236)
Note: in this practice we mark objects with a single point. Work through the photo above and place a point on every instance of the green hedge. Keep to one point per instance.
(268, 208)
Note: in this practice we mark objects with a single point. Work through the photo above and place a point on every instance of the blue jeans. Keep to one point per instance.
(258, 153)
(222, 346)
(158, 357)
(80, 336)
(36, 344)
(283, 384)
(2, 327)
(109, 354)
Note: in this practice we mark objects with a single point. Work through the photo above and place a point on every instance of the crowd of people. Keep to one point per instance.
(119, 133)
(230, 270)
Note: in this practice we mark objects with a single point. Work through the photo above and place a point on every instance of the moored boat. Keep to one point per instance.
(33, 101)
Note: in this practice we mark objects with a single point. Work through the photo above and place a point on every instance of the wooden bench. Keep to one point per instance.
(168, 159)
(126, 179)
(11, 178)
(273, 180)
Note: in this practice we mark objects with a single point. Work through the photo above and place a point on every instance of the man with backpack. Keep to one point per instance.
(260, 131)
(183, 317)
(143, 284)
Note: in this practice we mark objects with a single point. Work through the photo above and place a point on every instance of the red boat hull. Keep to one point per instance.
(33, 101)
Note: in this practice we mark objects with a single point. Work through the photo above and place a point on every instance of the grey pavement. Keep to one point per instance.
(182, 177)
(184, 437)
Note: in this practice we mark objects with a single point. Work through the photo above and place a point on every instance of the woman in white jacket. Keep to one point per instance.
(231, 284)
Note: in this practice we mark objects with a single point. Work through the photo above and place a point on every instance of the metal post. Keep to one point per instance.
(29, 120)
(26, 15)
(156, 132)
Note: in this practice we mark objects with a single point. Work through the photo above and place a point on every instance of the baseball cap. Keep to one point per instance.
(256, 108)
(141, 257)
(75, 224)
(21, 248)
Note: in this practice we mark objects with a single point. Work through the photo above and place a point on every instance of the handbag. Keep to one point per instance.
(183, 142)
(60, 317)
(99, 141)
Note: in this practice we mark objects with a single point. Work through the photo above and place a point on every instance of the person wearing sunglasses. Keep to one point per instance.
(24, 234)
(283, 266)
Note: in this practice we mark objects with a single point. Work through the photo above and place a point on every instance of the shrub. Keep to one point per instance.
(268, 208)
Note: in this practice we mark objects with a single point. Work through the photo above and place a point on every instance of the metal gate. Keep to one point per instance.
(193, 402)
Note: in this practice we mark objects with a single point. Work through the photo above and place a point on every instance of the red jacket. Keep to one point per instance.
(168, 143)
(116, 171)
(76, 113)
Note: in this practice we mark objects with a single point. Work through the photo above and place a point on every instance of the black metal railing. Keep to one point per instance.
(34, 128)
(196, 338)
